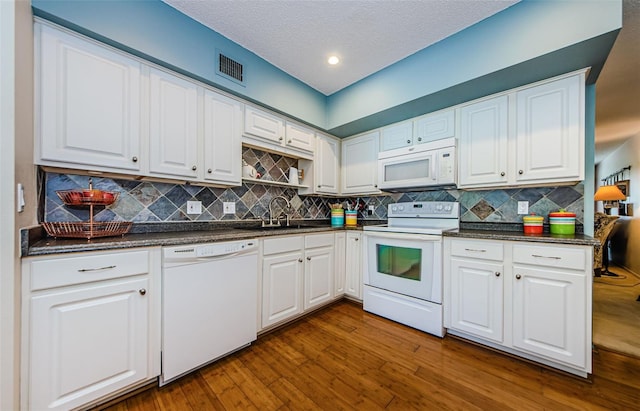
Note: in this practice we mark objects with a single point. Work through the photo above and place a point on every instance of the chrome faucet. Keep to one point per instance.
(277, 223)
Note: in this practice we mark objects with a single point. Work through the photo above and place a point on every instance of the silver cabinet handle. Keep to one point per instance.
(290, 141)
(502, 174)
(419, 138)
(299, 260)
(281, 138)
(408, 141)
(497, 274)
(520, 172)
(209, 171)
(107, 267)
(545, 256)
(356, 239)
(319, 186)
(518, 276)
(308, 258)
(375, 186)
(134, 159)
(475, 250)
(142, 291)
(194, 168)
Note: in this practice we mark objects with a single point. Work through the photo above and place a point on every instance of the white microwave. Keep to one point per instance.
(427, 165)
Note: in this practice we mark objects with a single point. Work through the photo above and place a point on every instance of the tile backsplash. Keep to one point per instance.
(144, 201)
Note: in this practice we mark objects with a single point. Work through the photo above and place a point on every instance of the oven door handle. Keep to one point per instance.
(403, 236)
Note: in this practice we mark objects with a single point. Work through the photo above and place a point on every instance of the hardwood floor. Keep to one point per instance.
(342, 358)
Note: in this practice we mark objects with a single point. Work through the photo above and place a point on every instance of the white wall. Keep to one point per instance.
(8, 262)
(625, 243)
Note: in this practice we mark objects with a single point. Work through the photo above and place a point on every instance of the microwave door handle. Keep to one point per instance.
(434, 159)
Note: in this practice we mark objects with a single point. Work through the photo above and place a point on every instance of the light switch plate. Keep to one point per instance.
(523, 207)
(228, 207)
(194, 207)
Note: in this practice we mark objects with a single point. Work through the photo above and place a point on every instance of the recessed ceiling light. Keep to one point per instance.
(333, 60)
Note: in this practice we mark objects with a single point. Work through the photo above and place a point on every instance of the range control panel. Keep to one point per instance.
(425, 209)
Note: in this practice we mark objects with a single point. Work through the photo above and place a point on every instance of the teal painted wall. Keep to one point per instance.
(155, 31)
(527, 42)
(533, 40)
(589, 157)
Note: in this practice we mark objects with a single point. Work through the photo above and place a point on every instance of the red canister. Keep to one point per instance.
(533, 224)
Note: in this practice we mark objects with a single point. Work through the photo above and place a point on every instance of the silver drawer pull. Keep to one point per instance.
(84, 270)
(544, 256)
(475, 250)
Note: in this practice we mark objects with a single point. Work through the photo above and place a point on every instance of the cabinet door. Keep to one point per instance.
(264, 125)
(282, 291)
(89, 104)
(396, 136)
(173, 128)
(353, 263)
(327, 165)
(87, 342)
(550, 313)
(434, 126)
(550, 132)
(476, 300)
(222, 139)
(318, 279)
(340, 264)
(483, 143)
(300, 137)
(360, 164)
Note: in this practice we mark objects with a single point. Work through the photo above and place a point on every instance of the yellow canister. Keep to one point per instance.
(351, 218)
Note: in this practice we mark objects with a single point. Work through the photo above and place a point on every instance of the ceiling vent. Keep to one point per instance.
(229, 68)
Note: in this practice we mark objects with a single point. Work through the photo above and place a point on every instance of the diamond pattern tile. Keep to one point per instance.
(152, 201)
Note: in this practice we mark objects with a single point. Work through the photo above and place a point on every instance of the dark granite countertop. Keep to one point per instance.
(35, 242)
(577, 239)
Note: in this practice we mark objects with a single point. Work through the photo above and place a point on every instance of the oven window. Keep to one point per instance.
(401, 262)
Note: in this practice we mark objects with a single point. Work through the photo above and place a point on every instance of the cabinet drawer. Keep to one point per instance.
(485, 250)
(57, 272)
(281, 245)
(559, 257)
(318, 240)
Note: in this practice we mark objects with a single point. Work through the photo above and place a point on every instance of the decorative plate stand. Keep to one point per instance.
(91, 229)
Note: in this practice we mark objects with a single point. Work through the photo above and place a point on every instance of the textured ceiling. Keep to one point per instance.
(368, 35)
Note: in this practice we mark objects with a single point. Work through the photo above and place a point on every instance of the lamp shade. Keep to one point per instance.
(608, 193)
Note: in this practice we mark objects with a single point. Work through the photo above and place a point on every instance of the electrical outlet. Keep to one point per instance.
(370, 210)
(523, 207)
(229, 207)
(194, 207)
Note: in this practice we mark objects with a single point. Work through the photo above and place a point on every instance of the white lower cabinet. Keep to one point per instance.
(530, 299)
(339, 277)
(91, 325)
(297, 275)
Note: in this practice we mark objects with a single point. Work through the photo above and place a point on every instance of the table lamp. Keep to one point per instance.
(608, 193)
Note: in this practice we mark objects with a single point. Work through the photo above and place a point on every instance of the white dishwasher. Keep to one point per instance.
(209, 303)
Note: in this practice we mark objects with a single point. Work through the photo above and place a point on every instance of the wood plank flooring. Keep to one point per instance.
(342, 358)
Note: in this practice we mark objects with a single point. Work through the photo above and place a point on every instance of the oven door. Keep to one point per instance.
(409, 264)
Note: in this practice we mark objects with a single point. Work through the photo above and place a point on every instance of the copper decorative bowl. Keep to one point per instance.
(87, 197)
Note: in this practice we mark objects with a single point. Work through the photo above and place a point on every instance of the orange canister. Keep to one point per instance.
(533, 224)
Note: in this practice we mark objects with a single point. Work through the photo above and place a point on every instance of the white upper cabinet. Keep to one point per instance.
(550, 131)
(322, 175)
(531, 136)
(299, 137)
(430, 127)
(88, 100)
(173, 127)
(483, 143)
(222, 139)
(273, 133)
(360, 164)
(263, 125)
(396, 136)
(434, 126)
